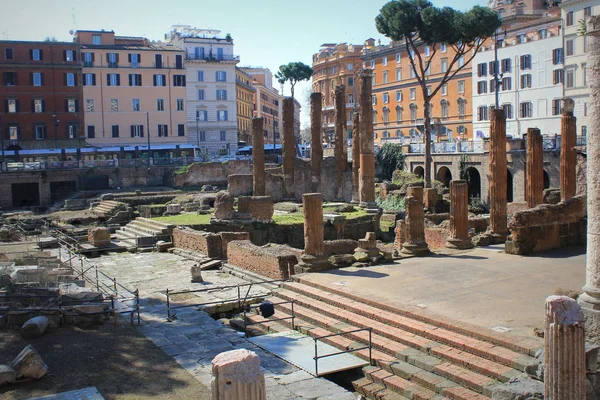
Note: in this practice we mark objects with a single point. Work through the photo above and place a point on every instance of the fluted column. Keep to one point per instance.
(237, 376)
(288, 148)
(415, 224)
(313, 258)
(568, 158)
(535, 168)
(316, 140)
(258, 157)
(367, 157)
(498, 223)
(355, 157)
(459, 216)
(564, 350)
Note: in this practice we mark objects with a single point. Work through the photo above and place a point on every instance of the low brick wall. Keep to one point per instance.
(341, 246)
(198, 241)
(273, 261)
(548, 226)
(260, 207)
(227, 237)
(436, 237)
(240, 184)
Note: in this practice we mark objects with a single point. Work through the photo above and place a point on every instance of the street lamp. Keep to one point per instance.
(198, 131)
(56, 122)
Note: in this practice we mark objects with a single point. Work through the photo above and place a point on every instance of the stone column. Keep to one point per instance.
(498, 224)
(415, 244)
(237, 376)
(568, 157)
(459, 216)
(535, 168)
(288, 149)
(316, 140)
(564, 350)
(590, 299)
(313, 258)
(416, 190)
(258, 157)
(355, 157)
(341, 157)
(367, 157)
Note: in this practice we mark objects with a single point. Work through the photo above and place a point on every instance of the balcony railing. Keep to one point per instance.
(212, 57)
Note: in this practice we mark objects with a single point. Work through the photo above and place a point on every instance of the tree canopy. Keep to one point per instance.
(293, 72)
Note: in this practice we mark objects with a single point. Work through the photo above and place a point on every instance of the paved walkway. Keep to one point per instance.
(195, 338)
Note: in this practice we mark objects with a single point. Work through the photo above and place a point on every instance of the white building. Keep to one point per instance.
(574, 12)
(211, 94)
(530, 61)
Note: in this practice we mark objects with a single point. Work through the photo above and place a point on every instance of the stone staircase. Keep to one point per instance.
(416, 355)
(108, 208)
(143, 232)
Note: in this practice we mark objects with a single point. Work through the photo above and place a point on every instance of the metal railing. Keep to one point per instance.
(249, 307)
(317, 357)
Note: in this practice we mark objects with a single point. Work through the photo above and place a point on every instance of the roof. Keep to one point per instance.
(140, 47)
(39, 42)
(92, 31)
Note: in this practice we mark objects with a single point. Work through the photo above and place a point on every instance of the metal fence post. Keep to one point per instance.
(168, 306)
(316, 359)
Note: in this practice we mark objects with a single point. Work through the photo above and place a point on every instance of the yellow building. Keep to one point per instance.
(267, 103)
(245, 104)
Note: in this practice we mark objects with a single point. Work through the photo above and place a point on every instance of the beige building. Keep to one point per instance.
(267, 103)
(245, 104)
(133, 90)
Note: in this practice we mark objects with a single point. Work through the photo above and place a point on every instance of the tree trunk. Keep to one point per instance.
(427, 138)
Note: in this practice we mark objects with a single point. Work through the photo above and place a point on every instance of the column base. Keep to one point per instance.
(415, 249)
(310, 263)
(590, 306)
(496, 238)
(354, 201)
(461, 244)
(368, 205)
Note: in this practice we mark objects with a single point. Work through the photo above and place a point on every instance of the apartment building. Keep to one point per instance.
(334, 65)
(245, 104)
(133, 90)
(520, 8)
(41, 93)
(530, 65)
(267, 103)
(573, 14)
(398, 98)
(297, 111)
(211, 88)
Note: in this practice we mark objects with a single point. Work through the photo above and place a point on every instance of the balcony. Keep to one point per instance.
(211, 57)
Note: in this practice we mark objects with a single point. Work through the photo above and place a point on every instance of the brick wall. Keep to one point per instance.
(272, 261)
(240, 184)
(215, 173)
(260, 207)
(436, 237)
(227, 237)
(198, 241)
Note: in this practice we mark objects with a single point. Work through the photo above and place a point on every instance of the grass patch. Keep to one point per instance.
(298, 218)
(386, 224)
(185, 219)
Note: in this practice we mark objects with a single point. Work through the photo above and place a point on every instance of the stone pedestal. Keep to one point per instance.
(237, 376)
(258, 158)
(313, 258)
(341, 158)
(415, 244)
(316, 140)
(400, 232)
(99, 236)
(564, 350)
(223, 206)
(535, 168)
(459, 216)
(431, 198)
(173, 209)
(568, 157)
(355, 157)
(417, 191)
(367, 157)
(367, 248)
(590, 300)
(498, 225)
(288, 149)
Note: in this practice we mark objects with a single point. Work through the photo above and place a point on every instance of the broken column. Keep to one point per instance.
(313, 258)
(590, 299)
(415, 244)
(316, 140)
(564, 350)
(459, 216)
(568, 157)
(288, 149)
(535, 168)
(498, 225)
(367, 250)
(355, 157)
(258, 157)
(367, 156)
(341, 158)
(237, 375)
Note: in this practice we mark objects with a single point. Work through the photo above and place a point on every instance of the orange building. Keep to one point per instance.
(398, 98)
(245, 104)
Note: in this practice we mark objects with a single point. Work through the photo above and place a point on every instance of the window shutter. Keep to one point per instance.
(132, 131)
(76, 105)
(141, 130)
(139, 76)
(66, 105)
(139, 58)
(31, 78)
(94, 79)
(42, 78)
(31, 54)
(107, 57)
(164, 80)
(129, 57)
(93, 57)
(154, 80)
(17, 105)
(64, 55)
(118, 79)
(75, 79)
(117, 57)
(74, 55)
(41, 54)
(6, 106)
(130, 79)
(65, 79)
(166, 130)
(32, 105)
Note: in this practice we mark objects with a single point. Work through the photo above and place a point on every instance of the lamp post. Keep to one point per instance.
(148, 126)
(198, 131)
(56, 122)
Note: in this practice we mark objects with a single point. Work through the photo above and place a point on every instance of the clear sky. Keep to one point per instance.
(265, 33)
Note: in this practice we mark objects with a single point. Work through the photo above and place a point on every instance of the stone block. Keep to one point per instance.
(198, 241)
(163, 246)
(259, 207)
(240, 184)
(35, 327)
(7, 374)
(237, 375)
(99, 236)
(173, 209)
(224, 206)
(272, 260)
(227, 237)
(29, 364)
(107, 196)
(196, 271)
(30, 274)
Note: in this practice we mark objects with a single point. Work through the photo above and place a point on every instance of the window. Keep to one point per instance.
(13, 132)
(160, 104)
(350, 98)
(12, 106)
(199, 53)
(35, 54)
(493, 67)
(443, 47)
(481, 87)
(89, 79)
(37, 79)
(399, 113)
(521, 38)
(114, 105)
(72, 106)
(91, 131)
(508, 110)
(89, 105)
(88, 59)
(163, 130)
(159, 80)
(570, 47)
(506, 83)
(482, 113)
(444, 89)
(178, 61)
(444, 109)
(113, 80)
(350, 81)
(69, 55)
(112, 59)
(526, 110)
(556, 107)
(38, 106)
(398, 74)
(135, 79)
(40, 131)
(221, 76)
(461, 86)
(114, 130)
(202, 115)
(221, 94)
(385, 77)
(461, 61)
(350, 67)
(413, 112)
(372, 64)
(135, 105)
(526, 61)
(570, 18)
(570, 78)
(384, 61)
(585, 44)
(398, 95)
(96, 39)
(223, 136)
(373, 99)
(180, 105)
(158, 61)
(543, 33)
(461, 130)
(506, 65)
(444, 65)
(481, 69)
(180, 130)
(428, 70)
(178, 80)
(374, 116)
(587, 12)
(8, 54)
(386, 98)
(493, 86)
(584, 73)
(10, 78)
(525, 81)
(427, 51)
(557, 76)
(413, 93)
(412, 72)
(557, 56)
(200, 76)
(137, 131)
(221, 115)
(202, 136)
(461, 107)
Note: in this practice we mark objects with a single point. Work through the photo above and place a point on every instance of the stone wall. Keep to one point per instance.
(213, 173)
(548, 226)
(240, 184)
(152, 210)
(272, 261)
(260, 207)
(436, 237)
(341, 246)
(227, 237)
(198, 241)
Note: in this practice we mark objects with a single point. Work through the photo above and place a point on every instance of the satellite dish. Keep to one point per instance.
(71, 32)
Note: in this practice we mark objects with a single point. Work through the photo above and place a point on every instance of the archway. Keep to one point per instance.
(509, 186)
(444, 175)
(546, 180)
(419, 171)
(474, 182)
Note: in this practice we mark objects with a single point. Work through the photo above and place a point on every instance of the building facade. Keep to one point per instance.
(267, 103)
(41, 94)
(245, 104)
(211, 89)
(133, 90)
(334, 65)
(573, 13)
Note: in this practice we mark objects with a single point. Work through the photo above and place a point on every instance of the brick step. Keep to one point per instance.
(140, 231)
(412, 336)
(396, 384)
(389, 314)
(375, 391)
(191, 255)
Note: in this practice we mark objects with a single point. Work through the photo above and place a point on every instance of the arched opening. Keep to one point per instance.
(509, 186)
(546, 180)
(419, 171)
(445, 176)
(474, 182)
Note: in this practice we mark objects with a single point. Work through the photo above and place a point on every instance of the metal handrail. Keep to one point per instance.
(317, 356)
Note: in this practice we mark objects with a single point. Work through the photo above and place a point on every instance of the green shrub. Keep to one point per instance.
(391, 203)
(477, 206)
(390, 158)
